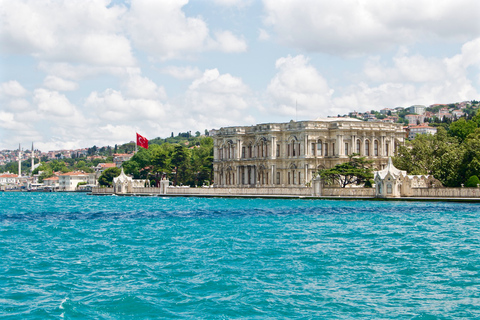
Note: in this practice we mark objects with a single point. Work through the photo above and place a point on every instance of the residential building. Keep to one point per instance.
(119, 158)
(417, 109)
(70, 180)
(415, 118)
(51, 182)
(289, 154)
(420, 129)
(8, 179)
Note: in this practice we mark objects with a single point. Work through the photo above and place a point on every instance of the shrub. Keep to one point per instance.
(472, 182)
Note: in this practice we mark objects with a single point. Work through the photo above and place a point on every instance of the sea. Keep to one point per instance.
(78, 256)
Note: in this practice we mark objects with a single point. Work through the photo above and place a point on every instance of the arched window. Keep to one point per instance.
(319, 148)
(346, 148)
(375, 148)
(367, 148)
(358, 146)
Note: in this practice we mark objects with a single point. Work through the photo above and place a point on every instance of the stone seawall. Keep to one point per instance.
(445, 192)
(325, 192)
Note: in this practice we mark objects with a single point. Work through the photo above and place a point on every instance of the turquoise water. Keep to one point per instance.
(75, 256)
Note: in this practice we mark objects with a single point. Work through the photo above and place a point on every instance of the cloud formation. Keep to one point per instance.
(350, 27)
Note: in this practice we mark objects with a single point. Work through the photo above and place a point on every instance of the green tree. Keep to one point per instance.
(357, 170)
(462, 128)
(179, 160)
(472, 182)
(106, 178)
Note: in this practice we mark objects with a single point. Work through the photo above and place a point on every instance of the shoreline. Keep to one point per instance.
(410, 199)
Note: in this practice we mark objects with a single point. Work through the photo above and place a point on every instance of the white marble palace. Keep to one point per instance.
(289, 154)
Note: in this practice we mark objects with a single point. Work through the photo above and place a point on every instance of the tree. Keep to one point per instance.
(179, 161)
(106, 178)
(462, 128)
(357, 170)
(472, 182)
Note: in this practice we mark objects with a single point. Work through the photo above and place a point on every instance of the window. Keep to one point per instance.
(278, 177)
(289, 178)
(333, 148)
(375, 148)
(367, 148)
(326, 149)
(389, 188)
(293, 147)
(313, 149)
(319, 148)
(278, 150)
(288, 150)
(243, 152)
(346, 148)
(358, 146)
(386, 149)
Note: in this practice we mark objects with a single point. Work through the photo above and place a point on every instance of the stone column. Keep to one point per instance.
(237, 182)
(273, 148)
(340, 145)
(272, 174)
(306, 174)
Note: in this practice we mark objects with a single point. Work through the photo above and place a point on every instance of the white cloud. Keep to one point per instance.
(70, 31)
(233, 3)
(59, 84)
(227, 42)
(12, 89)
(82, 71)
(263, 35)
(298, 83)
(357, 27)
(52, 103)
(219, 99)
(162, 29)
(139, 87)
(182, 73)
(415, 79)
(111, 106)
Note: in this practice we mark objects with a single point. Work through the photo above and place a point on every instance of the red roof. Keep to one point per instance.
(51, 179)
(107, 165)
(8, 175)
(76, 173)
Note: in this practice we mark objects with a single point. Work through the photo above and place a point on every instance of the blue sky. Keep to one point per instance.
(78, 73)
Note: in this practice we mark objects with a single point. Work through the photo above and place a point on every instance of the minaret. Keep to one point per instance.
(33, 158)
(19, 161)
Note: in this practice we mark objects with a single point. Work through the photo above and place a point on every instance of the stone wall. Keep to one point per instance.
(348, 192)
(98, 190)
(259, 191)
(445, 192)
(298, 192)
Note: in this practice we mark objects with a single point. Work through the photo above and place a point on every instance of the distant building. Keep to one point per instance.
(51, 182)
(70, 180)
(387, 110)
(120, 158)
(415, 119)
(289, 154)
(417, 109)
(8, 179)
(420, 129)
(458, 113)
(103, 166)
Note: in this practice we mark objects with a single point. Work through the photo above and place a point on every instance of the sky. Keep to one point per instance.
(78, 73)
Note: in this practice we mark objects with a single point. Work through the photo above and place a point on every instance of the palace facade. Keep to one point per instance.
(289, 154)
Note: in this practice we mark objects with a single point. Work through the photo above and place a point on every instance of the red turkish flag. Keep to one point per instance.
(142, 141)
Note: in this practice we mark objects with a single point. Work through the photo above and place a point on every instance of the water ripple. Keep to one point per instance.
(75, 256)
